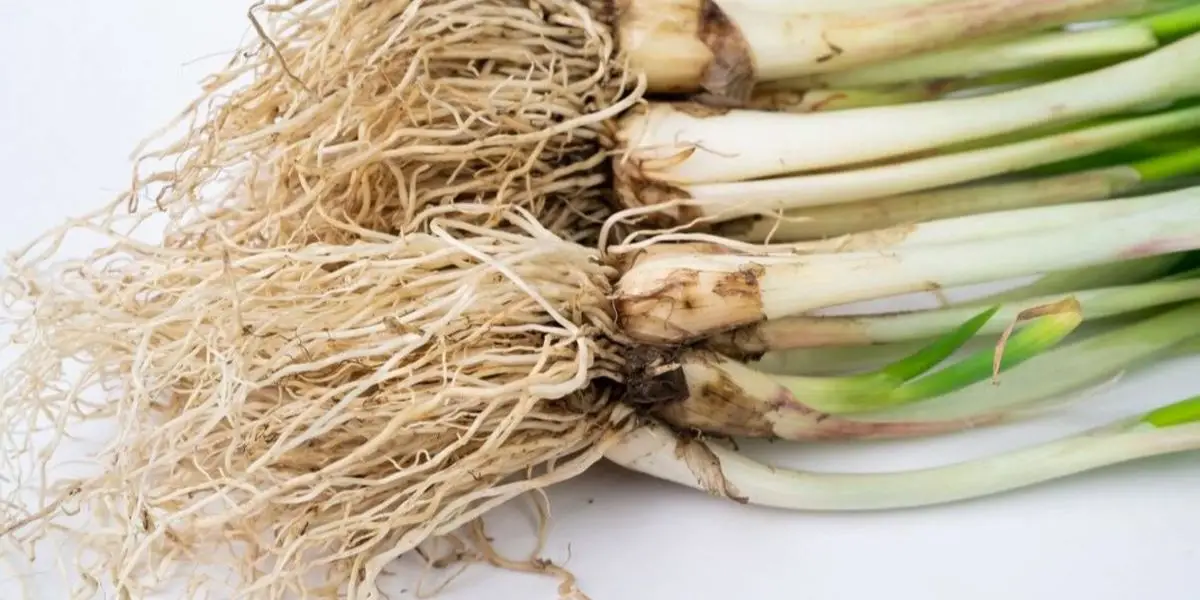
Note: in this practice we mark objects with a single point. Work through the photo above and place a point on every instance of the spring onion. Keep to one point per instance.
(658, 452)
(680, 147)
(832, 360)
(724, 46)
(803, 332)
(799, 95)
(1122, 40)
(905, 210)
(678, 298)
(822, 100)
(1119, 273)
(724, 396)
(975, 227)
(727, 201)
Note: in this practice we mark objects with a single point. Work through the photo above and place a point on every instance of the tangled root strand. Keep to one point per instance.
(306, 413)
(343, 116)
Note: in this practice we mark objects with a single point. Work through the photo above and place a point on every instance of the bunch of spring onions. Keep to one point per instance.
(1064, 152)
(463, 249)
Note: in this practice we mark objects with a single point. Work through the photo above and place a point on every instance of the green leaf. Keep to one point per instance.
(1180, 413)
(939, 350)
(1052, 324)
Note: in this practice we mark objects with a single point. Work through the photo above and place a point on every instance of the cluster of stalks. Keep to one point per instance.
(421, 258)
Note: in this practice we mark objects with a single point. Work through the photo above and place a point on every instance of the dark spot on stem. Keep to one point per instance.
(729, 78)
(834, 50)
(742, 284)
(653, 376)
(719, 406)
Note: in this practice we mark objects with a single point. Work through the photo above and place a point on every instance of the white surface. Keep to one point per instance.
(81, 82)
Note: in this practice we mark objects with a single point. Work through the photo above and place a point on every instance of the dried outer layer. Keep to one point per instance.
(635, 185)
(662, 300)
(687, 47)
(725, 397)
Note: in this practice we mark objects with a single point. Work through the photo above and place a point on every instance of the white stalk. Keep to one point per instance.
(741, 144)
(726, 201)
(798, 41)
(941, 203)
(819, 281)
(678, 298)
(1020, 53)
(655, 451)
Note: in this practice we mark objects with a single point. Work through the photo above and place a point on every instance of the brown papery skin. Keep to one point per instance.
(662, 302)
(686, 47)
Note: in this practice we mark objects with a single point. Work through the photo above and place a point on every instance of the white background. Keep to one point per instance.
(82, 81)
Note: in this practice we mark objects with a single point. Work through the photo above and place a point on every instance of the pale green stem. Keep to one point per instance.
(1116, 41)
(1064, 370)
(943, 203)
(800, 332)
(849, 359)
(726, 201)
(656, 451)
(1125, 272)
(802, 284)
(684, 147)
(975, 227)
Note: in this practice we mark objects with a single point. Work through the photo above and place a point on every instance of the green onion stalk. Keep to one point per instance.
(829, 360)
(797, 96)
(895, 213)
(718, 165)
(1123, 39)
(716, 468)
(833, 99)
(722, 48)
(820, 331)
(1114, 274)
(977, 226)
(734, 398)
(726, 397)
(679, 298)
